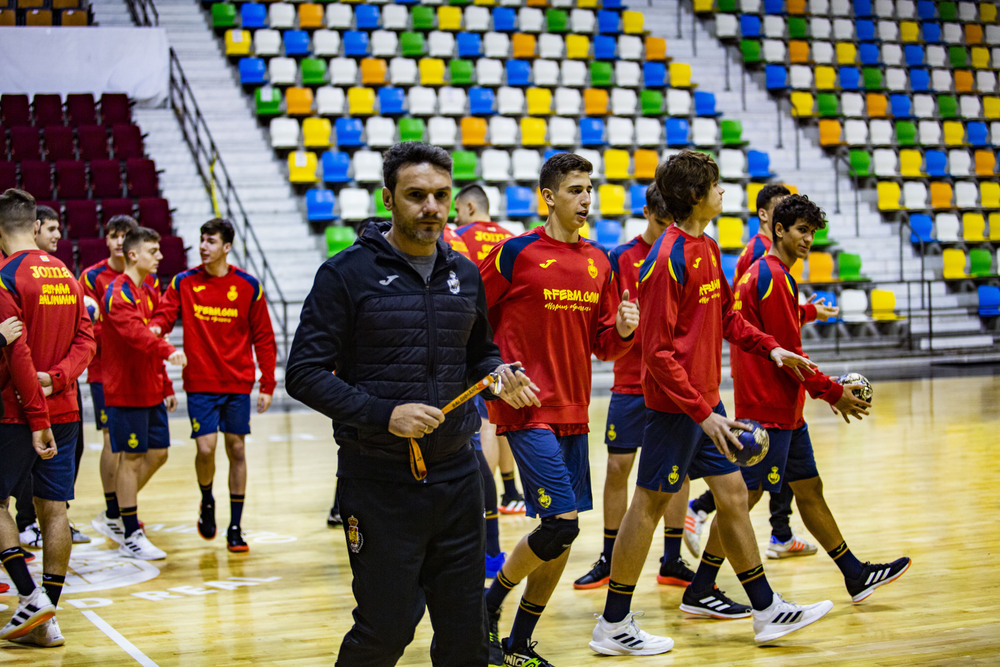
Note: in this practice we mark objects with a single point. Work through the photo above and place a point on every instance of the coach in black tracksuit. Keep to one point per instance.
(402, 320)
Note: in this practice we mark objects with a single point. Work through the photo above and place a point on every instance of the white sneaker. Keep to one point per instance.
(78, 536)
(113, 529)
(137, 545)
(31, 536)
(45, 635)
(693, 524)
(625, 638)
(783, 617)
(796, 546)
(32, 610)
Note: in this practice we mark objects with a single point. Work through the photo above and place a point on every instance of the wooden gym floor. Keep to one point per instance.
(918, 477)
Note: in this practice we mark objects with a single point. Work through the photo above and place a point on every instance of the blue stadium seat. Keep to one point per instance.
(253, 71)
(865, 30)
(759, 164)
(862, 8)
(922, 228)
(776, 78)
(729, 267)
(613, 4)
(849, 77)
(654, 75)
(920, 80)
(482, 101)
(678, 132)
(592, 132)
(366, 17)
(774, 6)
(931, 31)
(319, 205)
(977, 134)
(605, 47)
(704, 104)
(914, 54)
(869, 54)
(349, 131)
(296, 43)
(936, 163)
(926, 10)
(253, 15)
(552, 151)
(518, 73)
(504, 19)
(637, 199)
(989, 300)
(336, 164)
(470, 45)
(749, 26)
(609, 22)
(355, 43)
(391, 101)
(520, 201)
(900, 106)
(407, 2)
(830, 299)
(608, 233)
(753, 225)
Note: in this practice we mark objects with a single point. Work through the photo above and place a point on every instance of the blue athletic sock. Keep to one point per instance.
(618, 602)
(17, 569)
(848, 563)
(498, 591)
(130, 517)
(672, 543)
(525, 620)
(707, 572)
(758, 590)
(609, 542)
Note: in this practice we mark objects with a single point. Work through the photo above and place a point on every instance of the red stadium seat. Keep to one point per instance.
(154, 212)
(71, 179)
(105, 179)
(25, 144)
(8, 175)
(112, 207)
(81, 219)
(93, 142)
(59, 143)
(141, 178)
(115, 109)
(127, 142)
(3, 143)
(174, 258)
(91, 251)
(48, 109)
(36, 179)
(15, 110)
(81, 109)
(64, 253)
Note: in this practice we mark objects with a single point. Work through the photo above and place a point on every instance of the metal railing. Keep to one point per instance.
(143, 13)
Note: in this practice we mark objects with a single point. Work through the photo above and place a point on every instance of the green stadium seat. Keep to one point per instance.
(872, 78)
(751, 51)
(849, 266)
(411, 44)
(980, 263)
(651, 102)
(464, 165)
(947, 106)
(412, 129)
(267, 101)
(422, 17)
(340, 238)
(797, 28)
(861, 162)
(223, 16)
(313, 71)
(906, 133)
(460, 72)
(556, 20)
(600, 73)
(380, 209)
(828, 105)
(731, 132)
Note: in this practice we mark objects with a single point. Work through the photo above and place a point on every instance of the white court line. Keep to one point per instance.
(117, 638)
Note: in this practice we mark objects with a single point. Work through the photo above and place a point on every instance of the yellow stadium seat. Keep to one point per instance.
(753, 189)
(884, 305)
(821, 267)
(302, 167)
(847, 53)
(829, 132)
(994, 226)
(612, 199)
(587, 4)
(595, 102)
(316, 132)
(238, 42)
(533, 131)
(449, 18)
(656, 48)
(616, 165)
(523, 45)
(954, 133)
(910, 163)
(539, 101)
(941, 194)
(473, 131)
(987, 12)
(543, 208)
(299, 101)
(577, 47)
(802, 104)
(310, 16)
(680, 76)
(431, 72)
(909, 31)
(888, 196)
(646, 161)
(973, 227)
(989, 195)
(825, 78)
(361, 101)
(991, 107)
(980, 57)
(373, 71)
(954, 263)
(632, 23)
(796, 271)
(704, 6)
(730, 232)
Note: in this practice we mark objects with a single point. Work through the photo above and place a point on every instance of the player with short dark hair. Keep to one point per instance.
(553, 302)
(226, 323)
(627, 419)
(137, 392)
(687, 305)
(767, 296)
(49, 231)
(41, 415)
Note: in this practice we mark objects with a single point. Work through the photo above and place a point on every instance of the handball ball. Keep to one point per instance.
(864, 393)
(755, 443)
(92, 308)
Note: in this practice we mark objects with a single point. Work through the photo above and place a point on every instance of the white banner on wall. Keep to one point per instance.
(94, 60)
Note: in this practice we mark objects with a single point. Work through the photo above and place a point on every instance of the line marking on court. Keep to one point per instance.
(117, 638)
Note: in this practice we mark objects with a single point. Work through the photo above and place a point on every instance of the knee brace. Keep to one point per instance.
(551, 539)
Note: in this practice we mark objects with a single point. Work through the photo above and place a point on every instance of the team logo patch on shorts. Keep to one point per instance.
(674, 475)
(104, 417)
(195, 426)
(354, 537)
(133, 441)
(611, 432)
(774, 477)
(544, 499)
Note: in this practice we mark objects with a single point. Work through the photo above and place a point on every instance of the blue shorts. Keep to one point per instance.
(626, 421)
(789, 459)
(555, 471)
(100, 414)
(674, 446)
(137, 430)
(211, 413)
(52, 479)
(480, 404)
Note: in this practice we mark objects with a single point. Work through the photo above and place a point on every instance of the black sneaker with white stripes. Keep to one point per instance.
(713, 603)
(32, 610)
(875, 575)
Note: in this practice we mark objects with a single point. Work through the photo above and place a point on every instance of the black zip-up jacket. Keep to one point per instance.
(392, 339)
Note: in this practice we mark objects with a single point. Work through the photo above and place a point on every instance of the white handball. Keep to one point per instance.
(92, 308)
